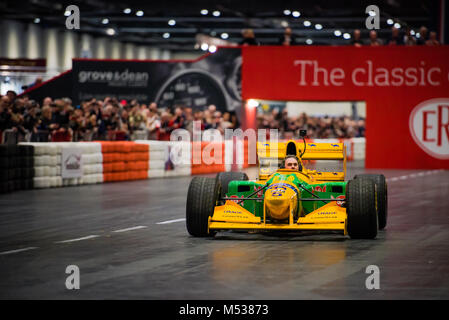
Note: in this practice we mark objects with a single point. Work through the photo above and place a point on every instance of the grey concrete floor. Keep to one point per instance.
(161, 261)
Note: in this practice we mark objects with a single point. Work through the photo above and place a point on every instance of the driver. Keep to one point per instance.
(291, 162)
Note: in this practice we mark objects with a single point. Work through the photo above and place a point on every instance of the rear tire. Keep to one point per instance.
(202, 198)
(382, 196)
(361, 208)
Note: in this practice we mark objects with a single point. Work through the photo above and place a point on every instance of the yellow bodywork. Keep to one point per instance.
(282, 204)
(231, 216)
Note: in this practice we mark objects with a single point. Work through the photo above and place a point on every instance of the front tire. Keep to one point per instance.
(361, 209)
(202, 198)
(225, 177)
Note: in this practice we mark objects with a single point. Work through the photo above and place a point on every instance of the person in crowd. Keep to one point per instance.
(395, 37)
(226, 123)
(137, 120)
(31, 120)
(374, 41)
(356, 38)
(432, 39)
(166, 127)
(179, 119)
(422, 36)
(45, 120)
(153, 121)
(47, 102)
(11, 95)
(249, 38)
(409, 40)
(91, 129)
(36, 83)
(287, 39)
(5, 113)
(60, 116)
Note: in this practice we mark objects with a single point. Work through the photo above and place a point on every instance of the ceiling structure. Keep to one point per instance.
(175, 25)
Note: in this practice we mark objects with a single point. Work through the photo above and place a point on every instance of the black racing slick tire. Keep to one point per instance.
(382, 197)
(225, 177)
(361, 209)
(202, 197)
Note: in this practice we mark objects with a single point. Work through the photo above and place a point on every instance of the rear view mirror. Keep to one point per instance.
(302, 133)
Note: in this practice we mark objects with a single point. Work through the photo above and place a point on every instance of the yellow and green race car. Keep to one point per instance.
(289, 200)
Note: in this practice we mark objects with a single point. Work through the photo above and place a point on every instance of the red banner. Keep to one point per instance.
(406, 90)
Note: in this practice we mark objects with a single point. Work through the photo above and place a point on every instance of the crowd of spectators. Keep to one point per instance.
(318, 127)
(108, 119)
(397, 37)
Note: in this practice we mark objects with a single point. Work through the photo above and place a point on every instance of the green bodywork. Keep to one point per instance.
(325, 190)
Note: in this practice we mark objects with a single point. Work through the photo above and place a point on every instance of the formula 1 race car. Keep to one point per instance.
(289, 200)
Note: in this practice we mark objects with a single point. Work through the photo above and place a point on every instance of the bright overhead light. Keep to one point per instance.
(67, 13)
(216, 13)
(397, 25)
(171, 22)
(390, 21)
(139, 13)
(337, 33)
(318, 26)
(253, 103)
(105, 21)
(204, 46)
(127, 11)
(412, 32)
(372, 13)
(418, 35)
(307, 23)
(212, 49)
(287, 12)
(110, 31)
(37, 20)
(346, 36)
(166, 35)
(296, 14)
(224, 35)
(309, 41)
(204, 12)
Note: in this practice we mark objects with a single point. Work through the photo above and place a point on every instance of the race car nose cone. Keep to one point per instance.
(278, 201)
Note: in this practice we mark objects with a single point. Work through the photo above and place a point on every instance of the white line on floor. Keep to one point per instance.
(78, 239)
(414, 175)
(171, 221)
(130, 229)
(18, 250)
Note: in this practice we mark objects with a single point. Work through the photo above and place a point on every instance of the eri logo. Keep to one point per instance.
(429, 127)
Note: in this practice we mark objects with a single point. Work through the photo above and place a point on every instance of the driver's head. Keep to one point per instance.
(291, 162)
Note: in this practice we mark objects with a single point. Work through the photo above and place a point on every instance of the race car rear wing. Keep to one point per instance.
(269, 152)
